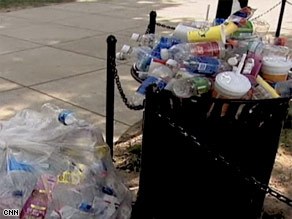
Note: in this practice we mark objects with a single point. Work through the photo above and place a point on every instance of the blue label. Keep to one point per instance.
(150, 80)
(202, 65)
(63, 115)
(15, 165)
(85, 207)
(164, 43)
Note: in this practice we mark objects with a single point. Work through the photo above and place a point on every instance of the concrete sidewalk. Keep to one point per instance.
(57, 54)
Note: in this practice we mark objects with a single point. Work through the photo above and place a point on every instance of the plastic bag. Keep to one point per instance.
(52, 170)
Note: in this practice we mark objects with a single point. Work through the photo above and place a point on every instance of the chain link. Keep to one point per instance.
(289, 3)
(165, 26)
(266, 12)
(219, 158)
(121, 91)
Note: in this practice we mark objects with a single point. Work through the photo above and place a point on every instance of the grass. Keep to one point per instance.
(25, 3)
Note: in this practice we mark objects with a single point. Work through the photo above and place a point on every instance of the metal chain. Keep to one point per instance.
(289, 3)
(165, 26)
(121, 91)
(266, 12)
(219, 158)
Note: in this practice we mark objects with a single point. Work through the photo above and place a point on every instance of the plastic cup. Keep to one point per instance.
(275, 70)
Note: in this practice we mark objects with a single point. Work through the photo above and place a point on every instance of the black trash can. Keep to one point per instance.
(180, 180)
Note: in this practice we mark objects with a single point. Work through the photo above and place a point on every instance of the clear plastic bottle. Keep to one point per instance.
(194, 86)
(181, 52)
(142, 56)
(149, 40)
(202, 65)
(166, 72)
(164, 43)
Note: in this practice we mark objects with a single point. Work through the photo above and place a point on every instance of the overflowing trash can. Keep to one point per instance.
(216, 98)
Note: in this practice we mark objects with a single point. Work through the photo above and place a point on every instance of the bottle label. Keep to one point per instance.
(63, 115)
(202, 65)
(14, 165)
(150, 80)
(201, 84)
(207, 49)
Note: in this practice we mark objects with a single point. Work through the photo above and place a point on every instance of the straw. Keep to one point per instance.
(208, 10)
(240, 66)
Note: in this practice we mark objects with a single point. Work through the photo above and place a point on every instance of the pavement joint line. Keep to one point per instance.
(79, 53)
(76, 105)
(13, 89)
(13, 37)
(56, 98)
(21, 50)
(66, 77)
(32, 19)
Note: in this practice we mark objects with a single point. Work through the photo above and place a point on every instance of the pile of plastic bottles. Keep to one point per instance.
(54, 165)
(229, 59)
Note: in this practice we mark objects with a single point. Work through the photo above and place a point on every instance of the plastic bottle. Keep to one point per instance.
(139, 95)
(166, 72)
(142, 56)
(181, 52)
(149, 40)
(202, 65)
(194, 86)
(284, 88)
(164, 43)
(22, 176)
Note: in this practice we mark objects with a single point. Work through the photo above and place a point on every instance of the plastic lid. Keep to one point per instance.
(231, 84)
(164, 54)
(280, 62)
(172, 63)
(135, 36)
(125, 48)
(232, 61)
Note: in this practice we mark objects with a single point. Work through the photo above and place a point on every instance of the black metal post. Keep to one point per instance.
(110, 91)
(280, 18)
(152, 22)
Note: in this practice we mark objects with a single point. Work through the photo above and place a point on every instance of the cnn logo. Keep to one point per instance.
(11, 212)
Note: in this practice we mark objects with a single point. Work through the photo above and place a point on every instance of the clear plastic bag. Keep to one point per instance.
(82, 182)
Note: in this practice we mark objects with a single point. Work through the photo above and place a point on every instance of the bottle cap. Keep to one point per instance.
(135, 36)
(171, 63)
(125, 48)
(164, 54)
(232, 61)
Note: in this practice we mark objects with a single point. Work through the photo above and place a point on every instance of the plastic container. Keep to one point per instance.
(182, 51)
(194, 86)
(229, 85)
(275, 70)
(149, 40)
(181, 31)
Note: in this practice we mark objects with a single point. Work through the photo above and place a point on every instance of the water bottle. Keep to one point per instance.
(181, 52)
(284, 88)
(194, 86)
(22, 177)
(139, 96)
(164, 43)
(202, 65)
(148, 40)
(166, 72)
(142, 56)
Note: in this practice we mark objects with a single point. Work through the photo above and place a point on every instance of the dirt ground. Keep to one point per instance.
(127, 161)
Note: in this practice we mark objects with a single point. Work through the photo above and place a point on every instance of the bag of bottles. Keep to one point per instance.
(54, 165)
